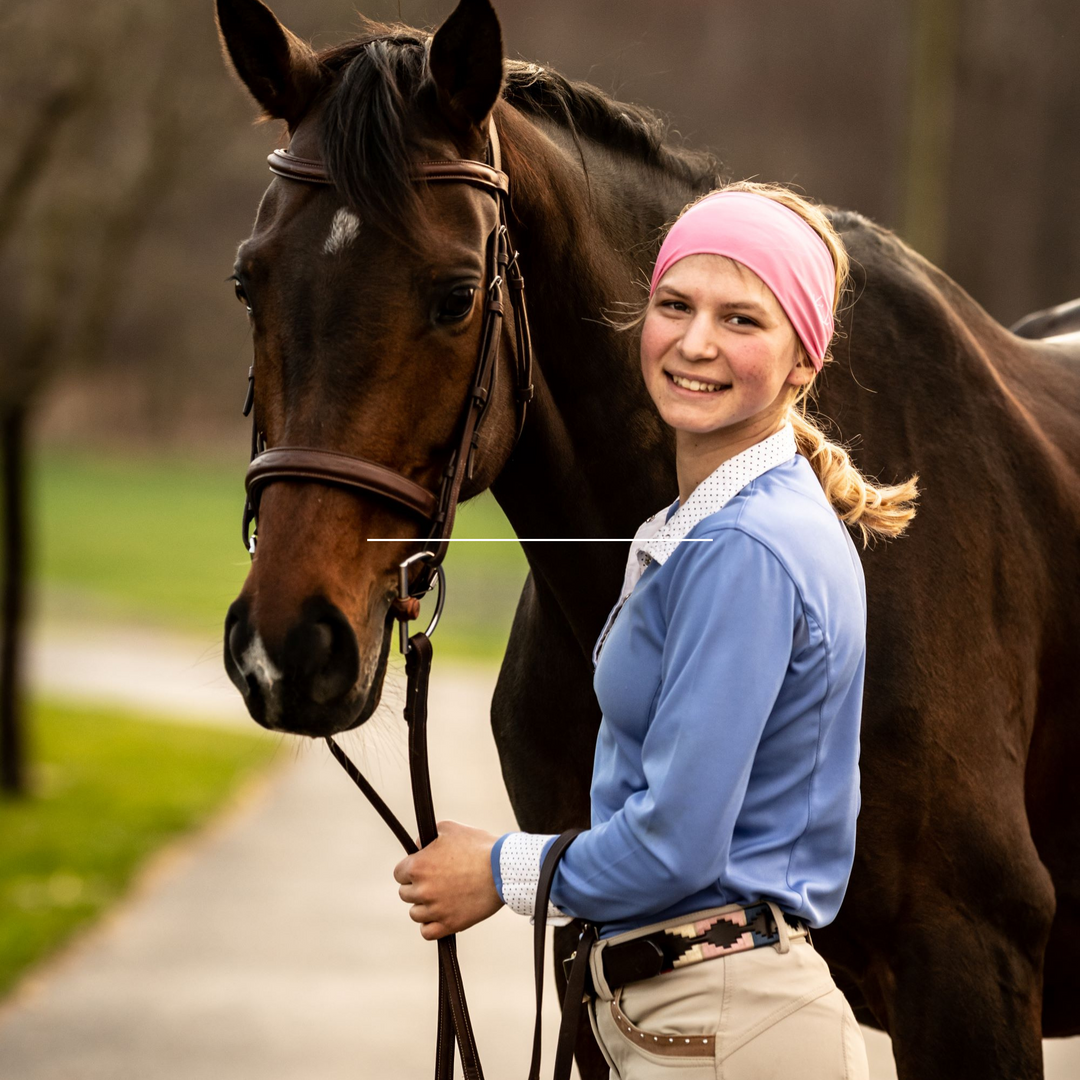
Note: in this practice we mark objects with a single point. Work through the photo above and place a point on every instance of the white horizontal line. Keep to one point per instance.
(540, 540)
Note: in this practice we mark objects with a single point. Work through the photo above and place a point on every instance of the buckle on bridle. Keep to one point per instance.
(406, 606)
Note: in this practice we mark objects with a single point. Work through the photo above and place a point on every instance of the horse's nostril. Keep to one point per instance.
(324, 655)
(324, 637)
(310, 647)
(236, 641)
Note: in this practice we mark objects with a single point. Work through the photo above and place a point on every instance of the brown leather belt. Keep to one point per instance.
(748, 920)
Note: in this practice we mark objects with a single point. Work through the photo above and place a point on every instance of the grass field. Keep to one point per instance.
(159, 540)
(108, 789)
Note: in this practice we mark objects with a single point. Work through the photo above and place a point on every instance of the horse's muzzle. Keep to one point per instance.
(306, 684)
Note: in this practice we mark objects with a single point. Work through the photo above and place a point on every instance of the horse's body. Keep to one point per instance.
(960, 932)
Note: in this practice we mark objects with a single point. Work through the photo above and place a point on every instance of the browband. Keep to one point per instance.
(311, 171)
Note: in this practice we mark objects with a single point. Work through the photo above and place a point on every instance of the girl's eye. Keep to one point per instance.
(675, 305)
(457, 304)
(744, 320)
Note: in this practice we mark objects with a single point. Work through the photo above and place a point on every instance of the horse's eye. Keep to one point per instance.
(241, 295)
(457, 304)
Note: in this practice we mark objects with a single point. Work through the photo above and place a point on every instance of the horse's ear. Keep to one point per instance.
(279, 69)
(466, 63)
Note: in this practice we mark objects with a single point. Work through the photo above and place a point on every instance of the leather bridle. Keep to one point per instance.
(269, 465)
(313, 464)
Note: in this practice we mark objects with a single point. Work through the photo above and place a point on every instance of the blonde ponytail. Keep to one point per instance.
(883, 511)
(878, 512)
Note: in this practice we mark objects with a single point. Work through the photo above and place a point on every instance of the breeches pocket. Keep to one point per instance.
(749, 1016)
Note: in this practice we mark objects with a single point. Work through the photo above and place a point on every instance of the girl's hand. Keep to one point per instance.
(449, 883)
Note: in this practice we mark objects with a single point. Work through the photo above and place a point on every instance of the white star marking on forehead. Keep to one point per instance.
(343, 230)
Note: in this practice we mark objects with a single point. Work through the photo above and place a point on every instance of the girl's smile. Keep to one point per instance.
(697, 386)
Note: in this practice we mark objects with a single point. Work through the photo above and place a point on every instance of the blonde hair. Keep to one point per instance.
(877, 511)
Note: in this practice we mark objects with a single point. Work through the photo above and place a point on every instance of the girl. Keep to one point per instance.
(725, 784)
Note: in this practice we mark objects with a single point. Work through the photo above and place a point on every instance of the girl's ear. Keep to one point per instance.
(803, 373)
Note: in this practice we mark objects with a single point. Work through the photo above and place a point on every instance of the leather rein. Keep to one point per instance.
(310, 464)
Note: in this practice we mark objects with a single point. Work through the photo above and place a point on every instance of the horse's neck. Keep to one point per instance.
(594, 459)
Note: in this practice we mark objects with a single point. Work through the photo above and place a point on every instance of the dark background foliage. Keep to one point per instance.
(951, 121)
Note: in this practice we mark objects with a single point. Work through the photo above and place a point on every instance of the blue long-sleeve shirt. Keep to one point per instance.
(730, 681)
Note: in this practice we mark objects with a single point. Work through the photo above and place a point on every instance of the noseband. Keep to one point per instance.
(346, 470)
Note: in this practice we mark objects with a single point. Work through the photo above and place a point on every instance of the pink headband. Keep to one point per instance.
(774, 242)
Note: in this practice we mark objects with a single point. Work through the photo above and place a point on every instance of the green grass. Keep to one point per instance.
(159, 540)
(108, 789)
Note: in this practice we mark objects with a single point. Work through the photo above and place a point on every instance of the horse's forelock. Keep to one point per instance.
(375, 82)
(364, 117)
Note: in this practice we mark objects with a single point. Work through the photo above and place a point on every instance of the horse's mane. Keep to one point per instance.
(380, 73)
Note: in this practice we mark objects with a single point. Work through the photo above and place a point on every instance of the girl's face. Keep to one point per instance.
(717, 350)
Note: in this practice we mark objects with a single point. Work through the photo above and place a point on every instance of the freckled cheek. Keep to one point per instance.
(656, 341)
(752, 366)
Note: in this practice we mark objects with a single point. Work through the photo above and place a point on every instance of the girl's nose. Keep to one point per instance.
(699, 341)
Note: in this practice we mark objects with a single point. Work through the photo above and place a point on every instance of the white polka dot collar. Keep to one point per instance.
(717, 490)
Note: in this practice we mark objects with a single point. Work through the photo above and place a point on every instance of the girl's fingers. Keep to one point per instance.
(432, 931)
(427, 913)
(420, 913)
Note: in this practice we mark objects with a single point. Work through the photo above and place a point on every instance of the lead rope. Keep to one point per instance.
(453, 1009)
(453, 1012)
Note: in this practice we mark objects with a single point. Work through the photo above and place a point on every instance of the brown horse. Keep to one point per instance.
(960, 933)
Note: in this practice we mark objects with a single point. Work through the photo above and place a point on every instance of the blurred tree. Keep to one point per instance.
(935, 24)
(30, 158)
(1014, 177)
(91, 141)
(950, 121)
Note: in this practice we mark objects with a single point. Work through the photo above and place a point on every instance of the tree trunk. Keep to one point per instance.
(934, 30)
(13, 466)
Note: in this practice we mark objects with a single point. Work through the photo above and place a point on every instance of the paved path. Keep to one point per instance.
(172, 676)
(273, 947)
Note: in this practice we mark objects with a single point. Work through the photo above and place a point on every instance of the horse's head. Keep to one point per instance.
(366, 298)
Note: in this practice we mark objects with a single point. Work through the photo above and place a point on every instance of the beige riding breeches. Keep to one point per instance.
(771, 1013)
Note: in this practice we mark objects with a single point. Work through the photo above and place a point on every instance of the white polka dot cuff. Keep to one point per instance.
(519, 866)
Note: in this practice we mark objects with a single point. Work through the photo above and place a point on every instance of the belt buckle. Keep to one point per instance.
(567, 964)
(588, 991)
